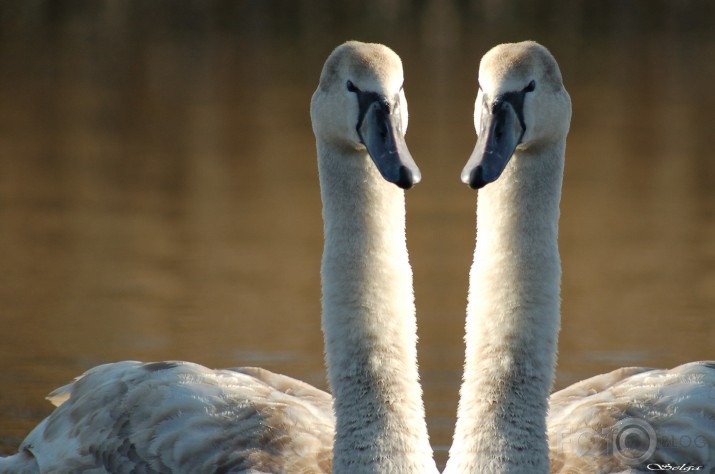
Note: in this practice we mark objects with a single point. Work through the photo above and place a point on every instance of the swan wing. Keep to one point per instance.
(632, 418)
(182, 417)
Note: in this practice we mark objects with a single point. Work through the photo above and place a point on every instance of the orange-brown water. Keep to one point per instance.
(159, 195)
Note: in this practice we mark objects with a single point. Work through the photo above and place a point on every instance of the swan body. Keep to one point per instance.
(182, 417)
(635, 418)
(522, 116)
(130, 416)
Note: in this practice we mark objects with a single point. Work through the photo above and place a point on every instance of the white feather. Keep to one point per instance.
(513, 319)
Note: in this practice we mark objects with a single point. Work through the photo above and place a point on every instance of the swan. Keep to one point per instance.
(182, 417)
(632, 419)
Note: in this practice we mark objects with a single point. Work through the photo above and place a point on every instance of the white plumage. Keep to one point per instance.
(633, 418)
(626, 420)
(178, 417)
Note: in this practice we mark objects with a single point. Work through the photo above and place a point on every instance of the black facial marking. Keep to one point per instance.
(365, 100)
(516, 100)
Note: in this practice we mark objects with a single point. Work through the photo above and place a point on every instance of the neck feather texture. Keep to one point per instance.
(512, 320)
(369, 320)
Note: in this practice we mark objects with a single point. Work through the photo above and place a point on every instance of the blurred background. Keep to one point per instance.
(159, 195)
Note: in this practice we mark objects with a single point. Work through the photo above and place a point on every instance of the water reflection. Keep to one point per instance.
(159, 196)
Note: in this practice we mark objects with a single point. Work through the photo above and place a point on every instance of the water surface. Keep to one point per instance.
(159, 195)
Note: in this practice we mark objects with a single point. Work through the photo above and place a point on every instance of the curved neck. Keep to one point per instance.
(369, 320)
(512, 320)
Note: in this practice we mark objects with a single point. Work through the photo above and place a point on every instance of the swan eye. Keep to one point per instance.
(530, 87)
(351, 87)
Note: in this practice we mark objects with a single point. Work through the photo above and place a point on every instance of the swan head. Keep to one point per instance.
(360, 104)
(521, 104)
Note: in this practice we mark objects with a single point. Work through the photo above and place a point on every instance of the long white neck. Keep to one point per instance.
(512, 320)
(369, 320)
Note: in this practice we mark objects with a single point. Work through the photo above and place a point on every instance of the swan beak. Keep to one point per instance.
(500, 134)
(381, 133)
